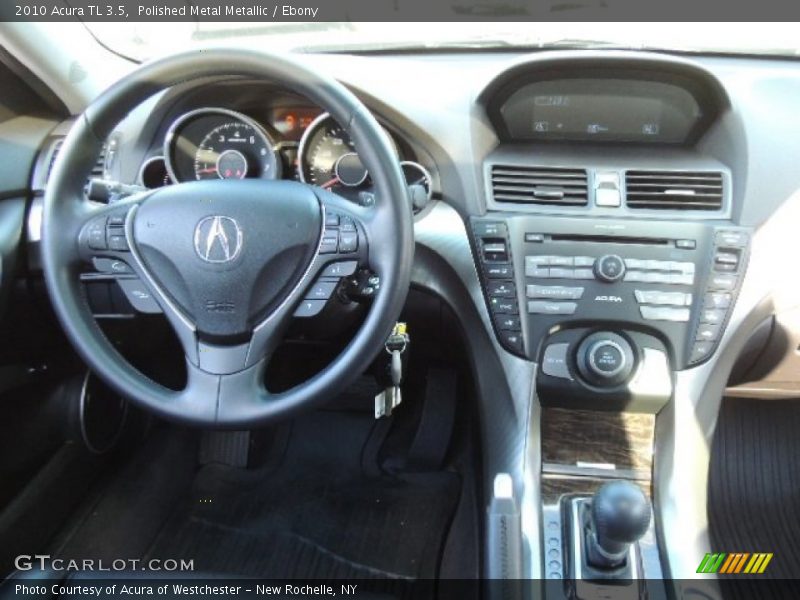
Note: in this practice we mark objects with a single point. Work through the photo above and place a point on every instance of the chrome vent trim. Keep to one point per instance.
(540, 185)
(674, 190)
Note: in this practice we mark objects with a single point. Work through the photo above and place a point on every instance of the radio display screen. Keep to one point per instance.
(621, 110)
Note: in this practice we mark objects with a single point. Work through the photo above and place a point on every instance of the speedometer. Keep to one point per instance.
(216, 143)
(328, 158)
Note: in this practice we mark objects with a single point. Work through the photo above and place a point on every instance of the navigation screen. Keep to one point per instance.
(601, 109)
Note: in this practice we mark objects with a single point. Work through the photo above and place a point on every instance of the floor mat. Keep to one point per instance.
(754, 487)
(315, 516)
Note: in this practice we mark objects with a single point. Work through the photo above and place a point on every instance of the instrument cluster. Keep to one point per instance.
(303, 143)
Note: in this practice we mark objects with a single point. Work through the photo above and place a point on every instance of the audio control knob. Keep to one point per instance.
(605, 359)
(609, 268)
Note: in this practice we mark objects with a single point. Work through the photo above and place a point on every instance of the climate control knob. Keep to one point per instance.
(605, 359)
(609, 268)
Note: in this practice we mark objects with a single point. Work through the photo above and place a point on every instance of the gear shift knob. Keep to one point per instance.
(620, 517)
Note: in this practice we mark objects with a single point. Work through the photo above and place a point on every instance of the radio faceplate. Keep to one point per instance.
(677, 280)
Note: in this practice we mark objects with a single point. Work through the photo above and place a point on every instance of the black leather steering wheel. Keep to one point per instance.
(227, 261)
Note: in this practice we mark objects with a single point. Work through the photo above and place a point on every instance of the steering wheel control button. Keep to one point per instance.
(554, 292)
(555, 361)
(348, 242)
(346, 224)
(117, 241)
(96, 234)
(139, 296)
(309, 308)
(331, 220)
(330, 243)
(322, 290)
(609, 268)
(340, 269)
(110, 265)
(543, 307)
(605, 359)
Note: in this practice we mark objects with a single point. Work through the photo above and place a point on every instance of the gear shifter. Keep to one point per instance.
(620, 516)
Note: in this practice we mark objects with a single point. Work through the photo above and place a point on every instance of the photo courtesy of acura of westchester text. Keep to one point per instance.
(330, 301)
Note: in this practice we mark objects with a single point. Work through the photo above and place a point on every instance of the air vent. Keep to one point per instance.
(539, 185)
(674, 190)
(98, 170)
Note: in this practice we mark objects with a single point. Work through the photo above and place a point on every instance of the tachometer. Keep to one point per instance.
(216, 143)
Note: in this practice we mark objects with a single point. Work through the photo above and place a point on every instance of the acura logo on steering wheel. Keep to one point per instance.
(218, 239)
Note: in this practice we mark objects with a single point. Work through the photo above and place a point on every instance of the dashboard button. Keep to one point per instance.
(681, 278)
(503, 306)
(554, 292)
(686, 244)
(609, 268)
(340, 269)
(561, 261)
(536, 261)
(731, 238)
(664, 313)
(543, 307)
(663, 298)
(512, 339)
(490, 229)
(707, 332)
(717, 300)
(712, 315)
(502, 289)
(499, 271)
(724, 282)
(555, 362)
(583, 261)
(534, 238)
(583, 274)
(540, 272)
(507, 322)
(701, 350)
(682, 267)
(561, 273)
(635, 276)
(635, 263)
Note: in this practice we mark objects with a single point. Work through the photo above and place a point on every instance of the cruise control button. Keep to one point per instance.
(139, 295)
(502, 289)
(340, 269)
(554, 292)
(499, 271)
(346, 224)
(503, 305)
(118, 242)
(110, 265)
(309, 308)
(713, 316)
(96, 234)
(543, 307)
(717, 300)
(664, 313)
(554, 361)
(707, 332)
(329, 244)
(724, 282)
(701, 350)
(508, 322)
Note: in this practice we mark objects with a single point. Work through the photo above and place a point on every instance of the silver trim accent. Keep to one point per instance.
(216, 233)
(170, 135)
(301, 149)
(425, 174)
(336, 170)
(145, 164)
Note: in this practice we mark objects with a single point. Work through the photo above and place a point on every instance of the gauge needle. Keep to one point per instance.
(208, 170)
(330, 183)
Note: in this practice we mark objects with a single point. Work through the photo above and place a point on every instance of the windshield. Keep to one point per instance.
(141, 41)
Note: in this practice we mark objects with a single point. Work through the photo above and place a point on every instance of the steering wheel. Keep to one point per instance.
(229, 262)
